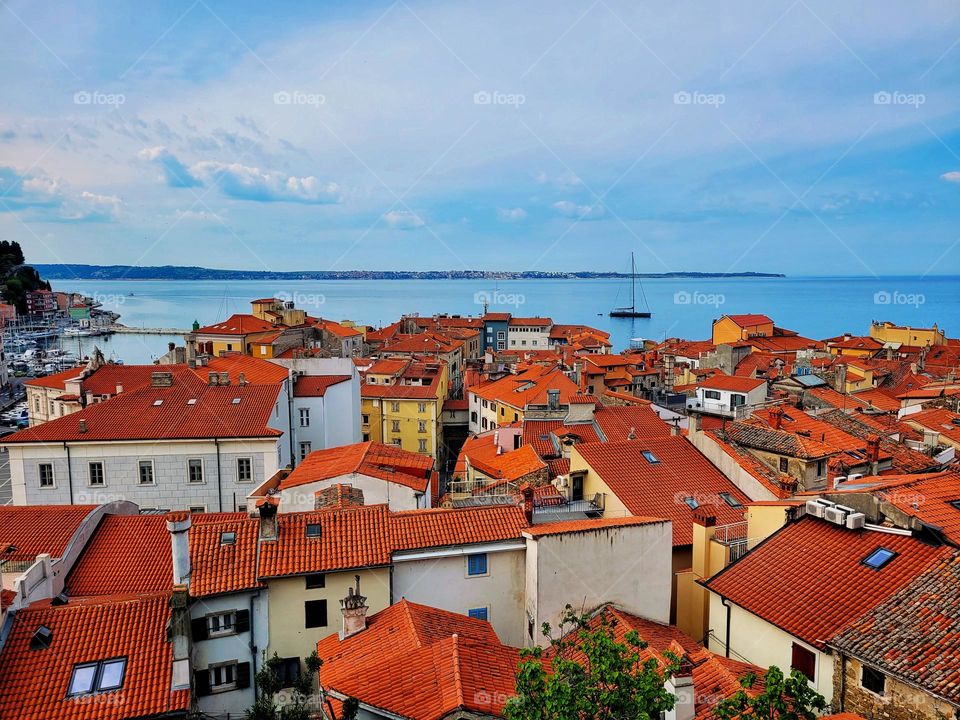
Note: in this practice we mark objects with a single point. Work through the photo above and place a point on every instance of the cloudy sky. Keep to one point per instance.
(803, 136)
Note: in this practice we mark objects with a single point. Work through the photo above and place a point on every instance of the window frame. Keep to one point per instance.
(96, 680)
(476, 613)
(190, 467)
(222, 666)
(249, 461)
(798, 650)
(146, 462)
(318, 603)
(315, 581)
(53, 476)
(864, 670)
(476, 557)
(103, 474)
(304, 417)
(223, 630)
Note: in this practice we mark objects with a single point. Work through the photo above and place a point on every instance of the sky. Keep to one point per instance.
(799, 136)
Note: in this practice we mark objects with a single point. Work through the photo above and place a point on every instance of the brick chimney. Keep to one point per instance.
(161, 379)
(776, 416)
(553, 399)
(178, 525)
(354, 609)
(873, 453)
(268, 517)
(82, 426)
(681, 687)
(528, 504)
(224, 378)
(213, 378)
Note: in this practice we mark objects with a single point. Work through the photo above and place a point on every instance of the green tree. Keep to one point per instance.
(295, 702)
(587, 673)
(787, 697)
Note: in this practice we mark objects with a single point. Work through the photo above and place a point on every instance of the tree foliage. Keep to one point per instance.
(783, 697)
(18, 279)
(587, 673)
(275, 702)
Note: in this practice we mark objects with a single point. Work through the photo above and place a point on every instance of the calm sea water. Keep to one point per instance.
(816, 307)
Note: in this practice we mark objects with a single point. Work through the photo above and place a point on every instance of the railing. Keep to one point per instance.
(587, 505)
(734, 536)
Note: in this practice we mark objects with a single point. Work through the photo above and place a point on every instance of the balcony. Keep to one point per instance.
(734, 537)
(589, 506)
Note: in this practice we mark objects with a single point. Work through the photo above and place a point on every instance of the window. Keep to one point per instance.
(288, 671)
(650, 457)
(315, 613)
(304, 449)
(691, 502)
(878, 558)
(45, 472)
(366, 437)
(365, 419)
(394, 406)
(784, 465)
(421, 408)
(480, 613)
(228, 538)
(422, 426)
(501, 335)
(316, 581)
(95, 473)
(145, 470)
(314, 530)
(576, 487)
(223, 677)
(711, 395)
(244, 469)
(803, 660)
(195, 470)
(395, 425)
(737, 400)
(821, 467)
(94, 677)
(477, 564)
(220, 624)
(421, 445)
(198, 508)
(730, 500)
(397, 442)
(873, 680)
(304, 417)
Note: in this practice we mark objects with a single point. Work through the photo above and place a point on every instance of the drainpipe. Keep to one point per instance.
(69, 471)
(726, 604)
(843, 681)
(253, 646)
(216, 441)
(293, 456)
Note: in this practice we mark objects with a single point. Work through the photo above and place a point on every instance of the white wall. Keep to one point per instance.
(375, 492)
(441, 581)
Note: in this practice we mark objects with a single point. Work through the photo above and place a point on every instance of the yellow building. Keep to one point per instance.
(235, 334)
(733, 329)
(278, 312)
(402, 404)
(887, 332)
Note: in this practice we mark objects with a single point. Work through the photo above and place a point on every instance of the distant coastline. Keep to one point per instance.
(176, 272)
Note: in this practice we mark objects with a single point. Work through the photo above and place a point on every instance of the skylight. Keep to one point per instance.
(94, 677)
(157, 403)
(730, 500)
(691, 502)
(235, 401)
(228, 538)
(192, 401)
(650, 457)
(878, 558)
(313, 530)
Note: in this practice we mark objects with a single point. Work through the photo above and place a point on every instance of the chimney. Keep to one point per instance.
(161, 379)
(180, 639)
(354, 609)
(675, 427)
(171, 346)
(178, 525)
(119, 388)
(83, 425)
(528, 504)
(553, 399)
(242, 379)
(693, 424)
(632, 435)
(681, 687)
(268, 517)
(776, 415)
(192, 364)
(224, 378)
(212, 378)
(496, 441)
(873, 453)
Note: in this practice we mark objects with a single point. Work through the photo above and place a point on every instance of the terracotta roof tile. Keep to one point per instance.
(237, 324)
(386, 462)
(418, 529)
(809, 578)
(733, 383)
(316, 385)
(37, 530)
(576, 526)
(35, 682)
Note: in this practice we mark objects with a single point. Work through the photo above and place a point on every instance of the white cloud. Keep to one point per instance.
(173, 172)
(403, 220)
(511, 214)
(251, 183)
(581, 212)
(564, 181)
(952, 176)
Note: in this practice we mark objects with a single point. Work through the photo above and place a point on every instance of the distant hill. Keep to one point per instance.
(176, 272)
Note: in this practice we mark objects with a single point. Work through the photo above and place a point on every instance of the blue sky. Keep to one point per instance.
(803, 137)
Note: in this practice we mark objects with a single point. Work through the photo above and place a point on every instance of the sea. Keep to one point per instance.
(816, 307)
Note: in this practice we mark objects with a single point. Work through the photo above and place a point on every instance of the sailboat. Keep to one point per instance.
(632, 312)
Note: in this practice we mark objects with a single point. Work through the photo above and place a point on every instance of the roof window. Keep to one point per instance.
(313, 530)
(235, 401)
(730, 500)
(650, 457)
(94, 677)
(228, 538)
(879, 557)
(192, 401)
(42, 637)
(691, 502)
(157, 403)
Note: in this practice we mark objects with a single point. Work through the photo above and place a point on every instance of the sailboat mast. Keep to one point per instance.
(633, 284)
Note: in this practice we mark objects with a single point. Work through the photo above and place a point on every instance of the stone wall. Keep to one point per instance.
(898, 702)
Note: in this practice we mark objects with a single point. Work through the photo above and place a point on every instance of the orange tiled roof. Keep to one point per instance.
(528, 387)
(38, 530)
(563, 527)
(418, 529)
(481, 451)
(237, 324)
(386, 462)
(422, 663)
(316, 385)
(939, 420)
(256, 371)
(658, 489)
(35, 682)
(809, 578)
(165, 413)
(733, 383)
(750, 319)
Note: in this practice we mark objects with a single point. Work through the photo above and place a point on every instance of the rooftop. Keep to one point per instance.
(386, 462)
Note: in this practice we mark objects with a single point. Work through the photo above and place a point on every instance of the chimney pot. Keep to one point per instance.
(213, 378)
(354, 610)
(178, 525)
(83, 425)
(224, 378)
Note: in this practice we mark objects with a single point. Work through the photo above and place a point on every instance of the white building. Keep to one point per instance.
(175, 444)
(728, 395)
(529, 333)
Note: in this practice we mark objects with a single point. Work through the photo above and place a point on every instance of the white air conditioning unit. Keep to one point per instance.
(855, 476)
(835, 515)
(818, 507)
(562, 482)
(856, 521)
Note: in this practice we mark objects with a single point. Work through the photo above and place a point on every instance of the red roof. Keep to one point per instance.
(237, 324)
(749, 320)
(531, 322)
(256, 371)
(939, 420)
(418, 529)
(422, 663)
(38, 530)
(809, 578)
(386, 462)
(35, 682)
(563, 527)
(316, 385)
(659, 489)
(482, 452)
(732, 383)
(166, 413)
